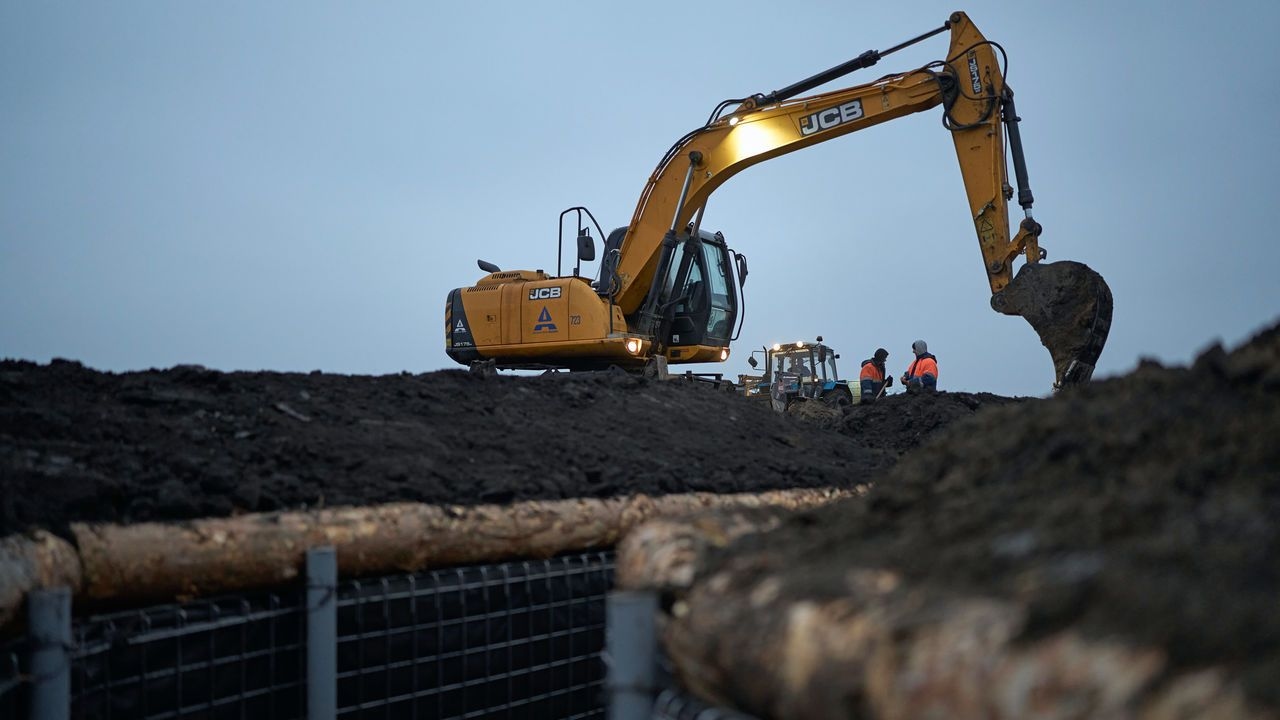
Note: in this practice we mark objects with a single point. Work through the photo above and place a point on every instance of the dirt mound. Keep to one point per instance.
(1142, 508)
(901, 422)
(77, 444)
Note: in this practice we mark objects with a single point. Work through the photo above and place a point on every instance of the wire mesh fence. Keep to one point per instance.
(237, 657)
(14, 668)
(674, 704)
(516, 639)
(512, 640)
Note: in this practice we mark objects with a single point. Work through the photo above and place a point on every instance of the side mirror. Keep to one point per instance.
(742, 268)
(586, 247)
(752, 362)
(488, 266)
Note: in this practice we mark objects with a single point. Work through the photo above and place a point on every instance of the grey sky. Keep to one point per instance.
(297, 186)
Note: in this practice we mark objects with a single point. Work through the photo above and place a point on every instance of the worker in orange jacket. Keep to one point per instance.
(873, 376)
(922, 375)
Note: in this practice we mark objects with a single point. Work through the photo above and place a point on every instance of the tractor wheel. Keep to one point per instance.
(838, 398)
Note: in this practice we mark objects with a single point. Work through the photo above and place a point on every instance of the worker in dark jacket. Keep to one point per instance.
(873, 376)
(922, 375)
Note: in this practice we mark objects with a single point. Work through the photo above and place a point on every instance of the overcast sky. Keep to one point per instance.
(295, 186)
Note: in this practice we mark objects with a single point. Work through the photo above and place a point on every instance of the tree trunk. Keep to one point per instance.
(32, 562)
(166, 560)
(868, 643)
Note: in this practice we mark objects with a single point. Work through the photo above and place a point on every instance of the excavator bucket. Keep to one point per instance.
(1069, 306)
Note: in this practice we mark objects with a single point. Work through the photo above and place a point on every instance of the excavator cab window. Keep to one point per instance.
(688, 326)
(706, 305)
(719, 321)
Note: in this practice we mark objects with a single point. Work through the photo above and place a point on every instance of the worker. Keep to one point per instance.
(922, 375)
(798, 366)
(873, 376)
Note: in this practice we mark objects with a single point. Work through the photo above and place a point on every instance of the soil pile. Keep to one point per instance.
(905, 421)
(1142, 508)
(77, 444)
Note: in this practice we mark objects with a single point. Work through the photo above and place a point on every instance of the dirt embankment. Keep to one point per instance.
(1140, 508)
(1143, 508)
(904, 421)
(77, 444)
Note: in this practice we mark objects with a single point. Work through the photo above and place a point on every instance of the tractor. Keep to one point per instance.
(799, 372)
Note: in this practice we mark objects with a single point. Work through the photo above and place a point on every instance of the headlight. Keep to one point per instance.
(724, 354)
(633, 345)
(800, 344)
(776, 346)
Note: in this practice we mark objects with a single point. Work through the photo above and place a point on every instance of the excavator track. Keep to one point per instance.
(1069, 306)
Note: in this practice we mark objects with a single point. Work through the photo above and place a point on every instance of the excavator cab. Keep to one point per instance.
(706, 305)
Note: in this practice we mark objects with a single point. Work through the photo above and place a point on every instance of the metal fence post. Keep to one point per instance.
(49, 613)
(631, 640)
(322, 634)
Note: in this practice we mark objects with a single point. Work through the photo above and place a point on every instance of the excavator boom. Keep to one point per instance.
(663, 258)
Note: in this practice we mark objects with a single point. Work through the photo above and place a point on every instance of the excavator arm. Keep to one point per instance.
(1069, 306)
(665, 290)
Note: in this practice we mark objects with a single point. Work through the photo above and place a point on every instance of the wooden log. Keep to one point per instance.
(32, 562)
(667, 553)
(165, 560)
(880, 646)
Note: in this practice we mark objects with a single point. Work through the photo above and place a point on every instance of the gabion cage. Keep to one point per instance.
(515, 639)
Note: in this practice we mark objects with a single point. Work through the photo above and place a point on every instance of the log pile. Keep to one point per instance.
(888, 647)
(148, 562)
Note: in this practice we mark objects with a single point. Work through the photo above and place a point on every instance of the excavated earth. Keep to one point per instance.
(901, 422)
(81, 445)
(1143, 507)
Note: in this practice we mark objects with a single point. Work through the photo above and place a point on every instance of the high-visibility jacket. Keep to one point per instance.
(924, 367)
(872, 378)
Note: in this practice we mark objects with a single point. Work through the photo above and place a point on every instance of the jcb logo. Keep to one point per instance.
(831, 117)
(546, 293)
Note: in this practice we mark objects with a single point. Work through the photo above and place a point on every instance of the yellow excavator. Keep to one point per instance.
(669, 291)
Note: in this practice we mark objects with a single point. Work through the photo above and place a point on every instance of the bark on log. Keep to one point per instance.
(883, 647)
(162, 560)
(32, 562)
(666, 554)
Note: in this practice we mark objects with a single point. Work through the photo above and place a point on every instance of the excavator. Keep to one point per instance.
(670, 292)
